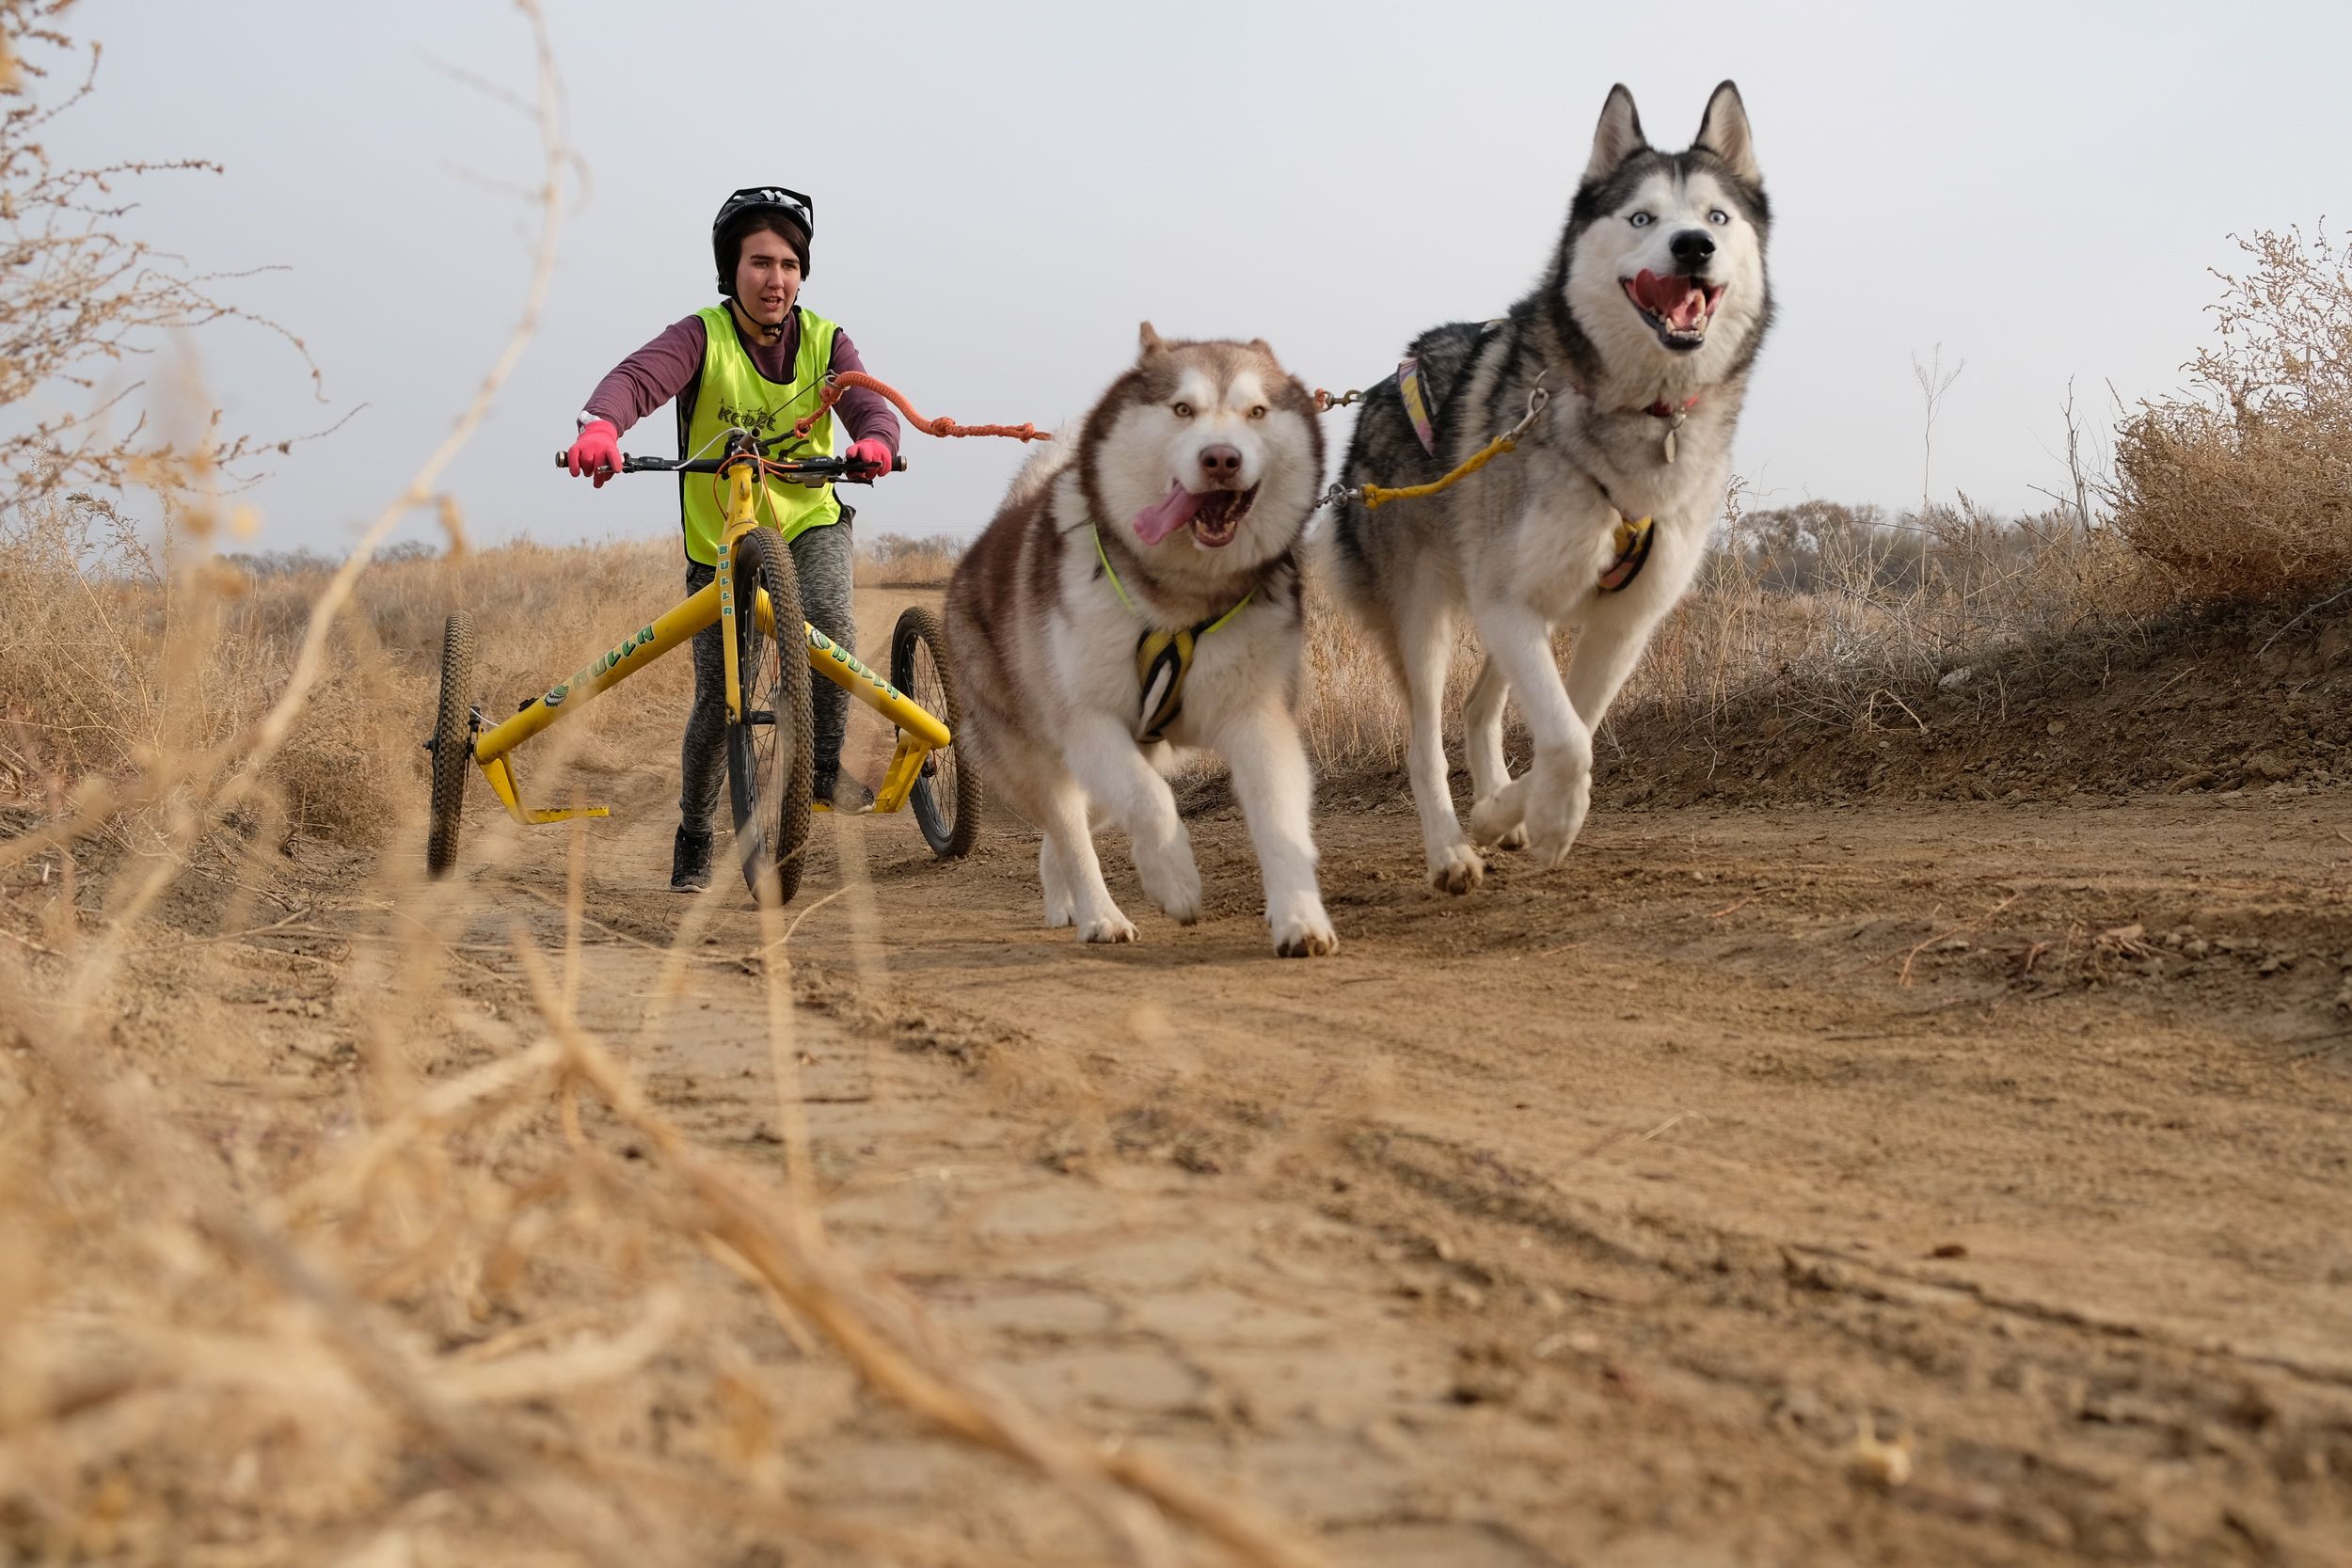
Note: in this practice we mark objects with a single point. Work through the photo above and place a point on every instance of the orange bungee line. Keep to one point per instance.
(838, 383)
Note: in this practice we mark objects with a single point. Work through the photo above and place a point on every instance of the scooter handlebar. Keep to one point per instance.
(836, 467)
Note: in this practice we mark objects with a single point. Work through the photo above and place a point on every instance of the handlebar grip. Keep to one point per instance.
(899, 467)
(629, 464)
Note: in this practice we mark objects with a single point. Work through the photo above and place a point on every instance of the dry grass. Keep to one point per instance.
(2242, 488)
(112, 654)
(899, 561)
(1830, 615)
(354, 1347)
(1817, 613)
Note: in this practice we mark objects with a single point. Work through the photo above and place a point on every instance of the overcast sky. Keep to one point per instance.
(1005, 190)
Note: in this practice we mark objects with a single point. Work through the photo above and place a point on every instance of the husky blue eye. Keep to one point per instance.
(1719, 217)
(1641, 220)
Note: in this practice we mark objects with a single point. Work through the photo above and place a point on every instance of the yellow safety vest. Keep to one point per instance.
(732, 392)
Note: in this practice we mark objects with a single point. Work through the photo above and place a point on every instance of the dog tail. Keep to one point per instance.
(1043, 466)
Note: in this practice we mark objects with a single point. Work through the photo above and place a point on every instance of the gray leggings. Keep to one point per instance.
(825, 560)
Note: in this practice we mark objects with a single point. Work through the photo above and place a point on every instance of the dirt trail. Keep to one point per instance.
(1589, 1219)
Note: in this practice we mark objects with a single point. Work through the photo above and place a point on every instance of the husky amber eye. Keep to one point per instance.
(1641, 220)
(1183, 410)
(1259, 412)
(1719, 217)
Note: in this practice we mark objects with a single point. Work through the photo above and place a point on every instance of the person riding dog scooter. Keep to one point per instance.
(758, 360)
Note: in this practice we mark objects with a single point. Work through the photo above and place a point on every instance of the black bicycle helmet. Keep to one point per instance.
(800, 208)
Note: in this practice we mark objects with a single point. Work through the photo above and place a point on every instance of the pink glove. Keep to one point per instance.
(597, 451)
(876, 454)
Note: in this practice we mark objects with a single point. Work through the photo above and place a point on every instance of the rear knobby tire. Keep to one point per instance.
(770, 754)
(946, 799)
(452, 744)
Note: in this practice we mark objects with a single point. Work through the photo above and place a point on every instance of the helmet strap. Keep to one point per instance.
(767, 335)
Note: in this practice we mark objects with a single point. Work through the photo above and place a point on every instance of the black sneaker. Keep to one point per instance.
(690, 861)
(842, 792)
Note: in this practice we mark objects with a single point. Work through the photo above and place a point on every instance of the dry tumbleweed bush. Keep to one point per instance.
(2243, 490)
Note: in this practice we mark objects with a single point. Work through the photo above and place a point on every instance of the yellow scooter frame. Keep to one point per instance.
(920, 733)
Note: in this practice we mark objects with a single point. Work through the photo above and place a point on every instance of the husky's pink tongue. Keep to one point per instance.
(1156, 522)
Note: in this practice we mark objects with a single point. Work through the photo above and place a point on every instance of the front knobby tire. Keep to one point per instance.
(452, 744)
(769, 751)
(946, 798)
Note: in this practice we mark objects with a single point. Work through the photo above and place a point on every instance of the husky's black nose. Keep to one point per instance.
(1693, 248)
(1220, 462)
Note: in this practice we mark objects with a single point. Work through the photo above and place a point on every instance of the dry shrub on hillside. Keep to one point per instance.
(1818, 613)
(2242, 488)
(1833, 614)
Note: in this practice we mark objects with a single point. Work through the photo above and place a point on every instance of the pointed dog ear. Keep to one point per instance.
(1151, 341)
(1619, 135)
(1724, 133)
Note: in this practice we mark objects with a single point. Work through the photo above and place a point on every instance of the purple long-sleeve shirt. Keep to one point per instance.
(673, 361)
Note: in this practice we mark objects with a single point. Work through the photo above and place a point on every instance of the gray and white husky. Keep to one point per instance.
(1641, 334)
(1138, 593)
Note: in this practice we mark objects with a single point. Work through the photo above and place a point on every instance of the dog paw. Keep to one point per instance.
(1306, 939)
(1456, 869)
(1553, 826)
(1302, 928)
(1549, 849)
(1172, 881)
(1541, 810)
(1112, 928)
(1499, 820)
(1057, 918)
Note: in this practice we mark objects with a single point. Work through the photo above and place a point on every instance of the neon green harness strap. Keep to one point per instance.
(1163, 659)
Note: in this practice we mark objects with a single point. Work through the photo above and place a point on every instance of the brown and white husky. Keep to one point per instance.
(1138, 597)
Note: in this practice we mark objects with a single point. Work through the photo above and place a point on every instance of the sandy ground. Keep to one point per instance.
(1593, 1218)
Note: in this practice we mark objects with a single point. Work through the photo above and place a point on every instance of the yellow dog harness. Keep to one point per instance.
(1162, 657)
